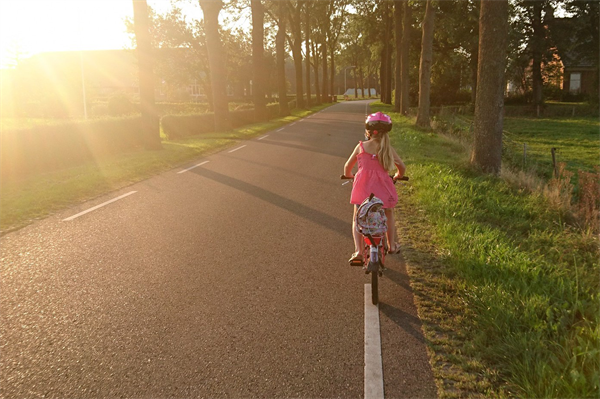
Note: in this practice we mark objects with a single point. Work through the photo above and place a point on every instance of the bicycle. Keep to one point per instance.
(373, 253)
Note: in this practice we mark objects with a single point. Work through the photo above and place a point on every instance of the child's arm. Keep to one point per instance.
(351, 161)
(399, 165)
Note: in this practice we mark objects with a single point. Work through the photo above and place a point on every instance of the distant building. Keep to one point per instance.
(580, 66)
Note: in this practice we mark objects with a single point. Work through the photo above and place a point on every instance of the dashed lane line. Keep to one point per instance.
(195, 166)
(373, 362)
(235, 149)
(99, 206)
(263, 137)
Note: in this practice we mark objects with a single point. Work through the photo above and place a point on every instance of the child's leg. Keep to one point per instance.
(391, 228)
(358, 238)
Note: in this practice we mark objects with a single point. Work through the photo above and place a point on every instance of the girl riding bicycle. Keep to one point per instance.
(376, 157)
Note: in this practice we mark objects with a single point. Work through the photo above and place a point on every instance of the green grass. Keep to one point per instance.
(38, 196)
(508, 292)
(577, 141)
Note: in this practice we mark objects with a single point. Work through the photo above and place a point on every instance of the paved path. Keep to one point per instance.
(226, 280)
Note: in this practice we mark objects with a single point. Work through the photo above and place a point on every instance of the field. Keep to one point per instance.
(507, 287)
(577, 142)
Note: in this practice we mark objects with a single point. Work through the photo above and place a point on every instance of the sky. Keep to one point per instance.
(34, 26)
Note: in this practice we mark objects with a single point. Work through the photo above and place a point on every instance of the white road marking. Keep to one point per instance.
(99, 206)
(195, 166)
(235, 149)
(263, 137)
(373, 362)
(281, 129)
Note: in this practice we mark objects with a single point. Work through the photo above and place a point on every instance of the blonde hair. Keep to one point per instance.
(385, 153)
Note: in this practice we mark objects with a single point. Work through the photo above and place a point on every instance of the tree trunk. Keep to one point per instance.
(316, 70)
(325, 84)
(369, 82)
(355, 82)
(259, 81)
(423, 119)
(537, 44)
(307, 50)
(296, 46)
(214, 47)
(473, 64)
(404, 61)
(150, 124)
(297, 54)
(386, 57)
(398, 34)
(332, 73)
(284, 109)
(362, 82)
(489, 105)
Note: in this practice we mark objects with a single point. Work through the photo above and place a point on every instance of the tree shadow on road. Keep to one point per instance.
(321, 218)
(409, 323)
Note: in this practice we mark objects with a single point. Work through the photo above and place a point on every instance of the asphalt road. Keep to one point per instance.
(227, 280)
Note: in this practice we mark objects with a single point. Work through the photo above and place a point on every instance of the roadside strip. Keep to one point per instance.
(99, 206)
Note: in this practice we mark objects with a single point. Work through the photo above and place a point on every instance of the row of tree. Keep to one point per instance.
(392, 42)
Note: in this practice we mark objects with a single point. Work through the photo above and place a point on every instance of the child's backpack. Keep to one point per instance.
(370, 217)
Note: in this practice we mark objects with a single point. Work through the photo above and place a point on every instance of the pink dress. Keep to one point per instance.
(371, 177)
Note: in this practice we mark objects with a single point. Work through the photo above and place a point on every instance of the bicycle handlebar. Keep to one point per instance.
(403, 178)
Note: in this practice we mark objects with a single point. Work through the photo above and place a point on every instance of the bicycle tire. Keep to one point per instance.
(375, 286)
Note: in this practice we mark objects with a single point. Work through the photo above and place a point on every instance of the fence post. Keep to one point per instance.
(553, 150)
(524, 154)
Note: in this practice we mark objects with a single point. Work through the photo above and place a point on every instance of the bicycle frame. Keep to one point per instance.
(374, 255)
(374, 251)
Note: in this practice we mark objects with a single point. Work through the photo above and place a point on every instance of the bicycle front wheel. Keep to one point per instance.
(375, 286)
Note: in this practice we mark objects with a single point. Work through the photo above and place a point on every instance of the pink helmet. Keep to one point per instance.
(378, 123)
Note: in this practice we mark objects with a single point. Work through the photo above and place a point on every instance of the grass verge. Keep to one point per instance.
(508, 291)
(25, 200)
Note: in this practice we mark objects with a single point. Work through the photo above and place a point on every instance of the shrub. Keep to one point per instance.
(273, 110)
(51, 147)
(119, 105)
(167, 108)
(242, 118)
(180, 126)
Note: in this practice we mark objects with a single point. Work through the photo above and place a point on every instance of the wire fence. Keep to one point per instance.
(581, 195)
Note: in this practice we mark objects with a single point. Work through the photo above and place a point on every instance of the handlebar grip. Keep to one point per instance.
(343, 177)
